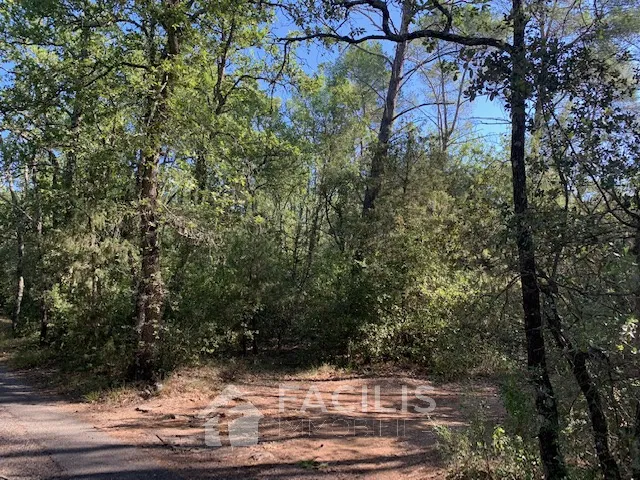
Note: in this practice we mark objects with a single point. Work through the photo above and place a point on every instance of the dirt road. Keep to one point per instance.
(130, 437)
(40, 440)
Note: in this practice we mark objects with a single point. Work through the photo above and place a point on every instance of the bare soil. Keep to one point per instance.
(350, 439)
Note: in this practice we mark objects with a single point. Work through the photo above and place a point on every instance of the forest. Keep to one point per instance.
(446, 186)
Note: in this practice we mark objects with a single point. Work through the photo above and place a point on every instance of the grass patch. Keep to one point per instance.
(40, 364)
(19, 352)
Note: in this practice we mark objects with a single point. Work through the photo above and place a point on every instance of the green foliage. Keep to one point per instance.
(479, 453)
(262, 167)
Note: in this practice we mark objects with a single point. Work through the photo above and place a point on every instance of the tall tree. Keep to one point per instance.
(441, 29)
(545, 398)
(162, 79)
(381, 149)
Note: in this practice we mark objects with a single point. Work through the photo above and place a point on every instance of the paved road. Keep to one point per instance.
(39, 441)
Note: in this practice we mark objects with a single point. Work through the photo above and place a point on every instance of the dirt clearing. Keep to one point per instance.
(323, 425)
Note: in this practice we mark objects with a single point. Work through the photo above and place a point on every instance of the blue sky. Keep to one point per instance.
(489, 118)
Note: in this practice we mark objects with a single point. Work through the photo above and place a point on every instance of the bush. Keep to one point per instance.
(476, 454)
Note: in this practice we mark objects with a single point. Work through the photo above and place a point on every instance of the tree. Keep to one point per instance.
(381, 150)
(538, 370)
(150, 287)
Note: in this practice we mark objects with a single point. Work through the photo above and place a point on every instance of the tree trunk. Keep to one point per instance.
(598, 419)
(636, 433)
(200, 173)
(636, 450)
(545, 400)
(17, 307)
(150, 287)
(388, 116)
(578, 362)
(636, 296)
(313, 233)
(44, 281)
(75, 120)
(15, 317)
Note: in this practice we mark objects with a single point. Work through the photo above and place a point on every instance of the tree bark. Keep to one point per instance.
(313, 234)
(388, 116)
(200, 173)
(598, 419)
(578, 362)
(45, 284)
(17, 307)
(150, 287)
(545, 400)
(636, 296)
(636, 433)
(636, 458)
(75, 120)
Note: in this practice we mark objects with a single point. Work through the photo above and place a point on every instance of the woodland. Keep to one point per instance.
(450, 186)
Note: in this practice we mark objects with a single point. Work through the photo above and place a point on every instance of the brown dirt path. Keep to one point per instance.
(296, 442)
